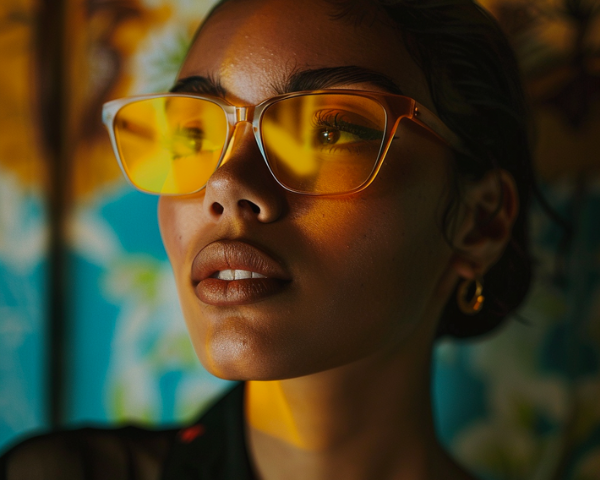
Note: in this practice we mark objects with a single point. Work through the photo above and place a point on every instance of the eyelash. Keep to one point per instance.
(334, 121)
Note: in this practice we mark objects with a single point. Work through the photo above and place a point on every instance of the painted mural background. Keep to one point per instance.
(522, 404)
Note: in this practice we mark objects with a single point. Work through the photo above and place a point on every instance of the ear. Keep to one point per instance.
(486, 215)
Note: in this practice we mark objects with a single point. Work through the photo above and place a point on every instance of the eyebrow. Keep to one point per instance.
(198, 84)
(328, 77)
(297, 81)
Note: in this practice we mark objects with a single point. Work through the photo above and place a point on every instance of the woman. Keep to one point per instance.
(331, 247)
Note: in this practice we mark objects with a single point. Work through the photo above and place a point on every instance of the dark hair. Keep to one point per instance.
(475, 85)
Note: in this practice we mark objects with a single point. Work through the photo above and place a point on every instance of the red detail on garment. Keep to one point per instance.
(191, 433)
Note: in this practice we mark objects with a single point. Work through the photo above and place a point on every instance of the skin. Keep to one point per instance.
(338, 364)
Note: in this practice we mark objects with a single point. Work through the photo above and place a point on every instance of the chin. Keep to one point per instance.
(241, 356)
(238, 353)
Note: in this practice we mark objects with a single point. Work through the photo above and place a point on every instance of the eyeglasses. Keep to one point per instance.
(324, 142)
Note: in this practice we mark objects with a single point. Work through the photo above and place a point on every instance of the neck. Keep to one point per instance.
(376, 412)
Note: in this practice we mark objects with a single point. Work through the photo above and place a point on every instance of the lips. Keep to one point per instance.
(229, 272)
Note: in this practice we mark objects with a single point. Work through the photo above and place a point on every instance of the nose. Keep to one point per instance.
(243, 186)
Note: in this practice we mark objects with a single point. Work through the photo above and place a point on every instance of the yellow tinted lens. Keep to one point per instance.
(170, 145)
(326, 143)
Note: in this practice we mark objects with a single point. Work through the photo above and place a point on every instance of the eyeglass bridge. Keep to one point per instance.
(244, 114)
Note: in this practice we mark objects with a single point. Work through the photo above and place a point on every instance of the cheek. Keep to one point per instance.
(179, 221)
(167, 221)
(372, 263)
(178, 229)
(379, 258)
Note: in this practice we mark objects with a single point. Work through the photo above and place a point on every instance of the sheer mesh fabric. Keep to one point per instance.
(213, 448)
(122, 454)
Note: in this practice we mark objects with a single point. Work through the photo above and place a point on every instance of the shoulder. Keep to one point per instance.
(89, 453)
(212, 448)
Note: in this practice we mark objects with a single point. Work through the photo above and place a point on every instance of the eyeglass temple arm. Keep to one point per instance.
(426, 118)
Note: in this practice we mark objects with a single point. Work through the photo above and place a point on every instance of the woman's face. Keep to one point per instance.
(353, 276)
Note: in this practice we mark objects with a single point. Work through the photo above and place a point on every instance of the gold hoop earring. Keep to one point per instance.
(475, 303)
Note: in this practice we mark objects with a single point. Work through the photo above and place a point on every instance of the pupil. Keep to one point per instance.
(329, 136)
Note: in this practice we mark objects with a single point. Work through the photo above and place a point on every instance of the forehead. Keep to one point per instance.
(252, 45)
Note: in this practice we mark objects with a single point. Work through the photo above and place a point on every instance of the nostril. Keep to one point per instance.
(217, 208)
(253, 206)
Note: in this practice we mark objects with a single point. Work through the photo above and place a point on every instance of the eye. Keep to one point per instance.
(186, 141)
(329, 136)
(343, 128)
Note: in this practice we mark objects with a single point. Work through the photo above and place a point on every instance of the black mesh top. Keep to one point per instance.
(211, 449)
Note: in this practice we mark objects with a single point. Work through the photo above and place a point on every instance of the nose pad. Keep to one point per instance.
(237, 139)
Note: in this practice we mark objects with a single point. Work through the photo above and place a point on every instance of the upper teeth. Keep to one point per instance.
(237, 275)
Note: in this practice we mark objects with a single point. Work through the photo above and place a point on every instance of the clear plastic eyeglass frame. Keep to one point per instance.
(396, 108)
